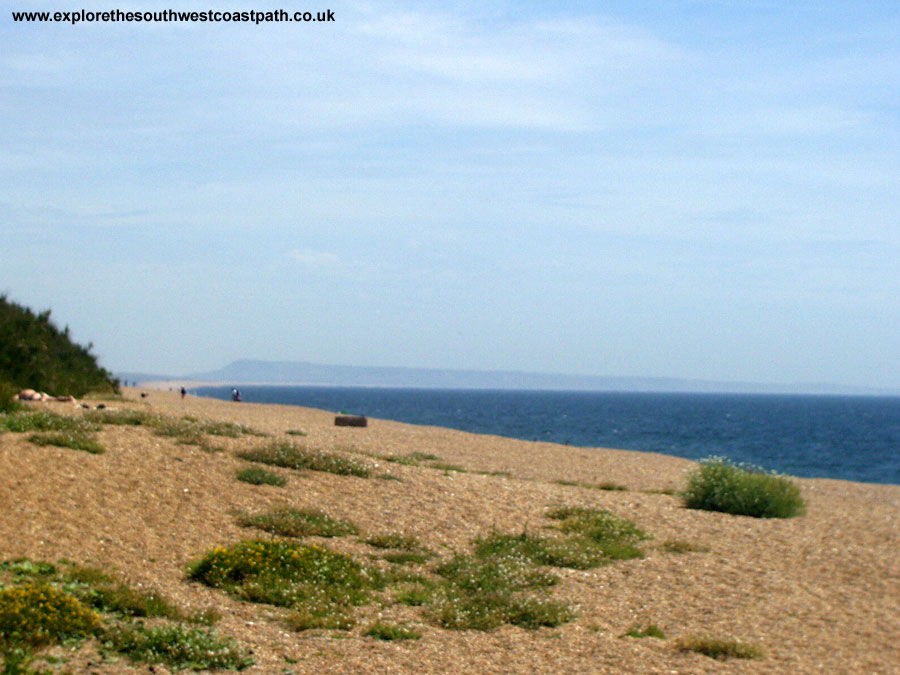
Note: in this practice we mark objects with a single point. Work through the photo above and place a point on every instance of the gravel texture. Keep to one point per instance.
(818, 594)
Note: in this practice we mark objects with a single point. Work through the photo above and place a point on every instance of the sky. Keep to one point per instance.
(672, 188)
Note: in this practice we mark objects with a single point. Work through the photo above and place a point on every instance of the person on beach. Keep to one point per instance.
(183, 392)
(235, 395)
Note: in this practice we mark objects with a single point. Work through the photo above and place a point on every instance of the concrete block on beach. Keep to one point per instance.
(350, 421)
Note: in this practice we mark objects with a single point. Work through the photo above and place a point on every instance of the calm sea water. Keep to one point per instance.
(853, 438)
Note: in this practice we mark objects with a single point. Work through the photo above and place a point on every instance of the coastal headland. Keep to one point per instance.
(819, 593)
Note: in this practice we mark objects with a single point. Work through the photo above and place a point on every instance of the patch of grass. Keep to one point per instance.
(717, 648)
(292, 456)
(68, 439)
(650, 630)
(413, 458)
(257, 476)
(592, 486)
(484, 591)
(96, 588)
(404, 557)
(682, 546)
(615, 536)
(289, 522)
(502, 474)
(394, 540)
(44, 420)
(444, 466)
(319, 585)
(415, 595)
(720, 485)
(458, 610)
(573, 552)
(132, 418)
(295, 432)
(388, 476)
(177, 647)
(389, 631)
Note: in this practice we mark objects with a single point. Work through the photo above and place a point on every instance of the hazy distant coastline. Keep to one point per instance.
(248, 371)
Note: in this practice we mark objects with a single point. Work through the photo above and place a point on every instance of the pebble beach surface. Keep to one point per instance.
(819, 593)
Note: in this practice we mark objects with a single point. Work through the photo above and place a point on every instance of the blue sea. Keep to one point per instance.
(851, 438)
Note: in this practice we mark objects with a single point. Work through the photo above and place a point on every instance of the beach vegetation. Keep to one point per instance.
(407, 557)
(289, 522)
(23, 421)
(34, 353)
(393, 540)
(718, 648)
(572, 552)
(743, 490)
(616, 537)
(258, 476)
(68, 439)
(648, 630)
(683, 546)
(177, 647)
(413, 458)
(320, 586)
(8, 402)
(291, 455)
(390, 631)
(295, 432)
(416, 594)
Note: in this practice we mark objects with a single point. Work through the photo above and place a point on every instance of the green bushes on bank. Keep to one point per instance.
(720, 485)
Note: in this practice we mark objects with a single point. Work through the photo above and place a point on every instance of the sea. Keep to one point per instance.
(854, 438)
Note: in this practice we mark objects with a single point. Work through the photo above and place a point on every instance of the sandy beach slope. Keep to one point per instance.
(818, 594)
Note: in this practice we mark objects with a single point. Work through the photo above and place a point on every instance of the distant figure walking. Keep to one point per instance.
(183, 392)
(235, 395)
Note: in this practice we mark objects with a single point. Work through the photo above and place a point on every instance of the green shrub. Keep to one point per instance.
(404, 557)
(35, 353)
(720, 485)
(34, 615)
(413, 458)
(573, 552)
(8, 402)
(257, 476)
(681, 546)
(616, 537)
(650, 630)
(289, 522)
(177, 647)
(295, 432)
(44, 420)
(487, 610)
(717, 648)
(400, 541)
(293, 456)
(390, 631)
(312, 580)
(68, 439)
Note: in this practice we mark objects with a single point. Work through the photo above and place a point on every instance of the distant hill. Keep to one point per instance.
(35, 354)
(299, 372)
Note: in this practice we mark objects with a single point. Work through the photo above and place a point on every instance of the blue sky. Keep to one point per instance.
(684, 189)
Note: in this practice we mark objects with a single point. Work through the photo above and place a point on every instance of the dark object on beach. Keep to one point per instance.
(101, 406)
(235, 395)
(183, 392)
(144, 394)
(350, 421)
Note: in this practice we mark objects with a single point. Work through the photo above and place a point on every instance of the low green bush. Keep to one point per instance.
(718, 648)
(8, 401)
(257, 476)
(720, 485)
(650, 630)
(178, 647)
(389, 631)
(68, 439)
(38, 614)
(321, 586)
(289, 522)
(294, 456)
(616, 537)
(44, 420)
